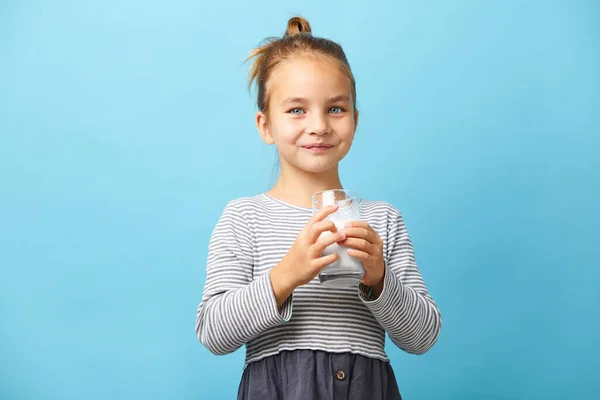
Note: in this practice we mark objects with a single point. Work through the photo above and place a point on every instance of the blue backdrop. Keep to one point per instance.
(125, 127)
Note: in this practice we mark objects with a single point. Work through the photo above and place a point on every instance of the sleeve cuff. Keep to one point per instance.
(392, 290)
(281, 314)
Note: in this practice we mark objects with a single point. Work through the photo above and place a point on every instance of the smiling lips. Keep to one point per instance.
(317, 147)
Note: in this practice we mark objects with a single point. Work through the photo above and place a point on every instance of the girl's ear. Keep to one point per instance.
(355, 120)
(262, 124)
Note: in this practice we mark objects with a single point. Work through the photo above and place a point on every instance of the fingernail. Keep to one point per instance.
(347, 224)
(343, 235)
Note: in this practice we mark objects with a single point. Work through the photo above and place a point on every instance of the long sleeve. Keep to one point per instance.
(235, 308)
(404, 309)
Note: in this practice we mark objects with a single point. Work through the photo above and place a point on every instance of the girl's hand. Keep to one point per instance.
(304, 261)
(366, 245)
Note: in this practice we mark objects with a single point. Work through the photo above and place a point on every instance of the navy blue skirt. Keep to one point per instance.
(318, 375)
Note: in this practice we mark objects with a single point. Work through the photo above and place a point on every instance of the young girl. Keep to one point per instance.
(303, 340)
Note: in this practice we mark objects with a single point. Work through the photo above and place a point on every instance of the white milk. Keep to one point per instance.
(347, 271)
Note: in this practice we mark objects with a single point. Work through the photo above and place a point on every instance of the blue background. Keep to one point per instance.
(126, 126)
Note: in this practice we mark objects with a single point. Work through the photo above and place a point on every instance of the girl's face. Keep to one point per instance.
(311, 118)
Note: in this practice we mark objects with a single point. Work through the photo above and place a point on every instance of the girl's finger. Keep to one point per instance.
(361, 255)
(318, 228)
(322, 262)
(322, 214)
(326, 241)
(358, 244)
(363, 233)
(358, 224)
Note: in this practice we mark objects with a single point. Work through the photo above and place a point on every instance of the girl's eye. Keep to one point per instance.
(296, 111)
(336, 110)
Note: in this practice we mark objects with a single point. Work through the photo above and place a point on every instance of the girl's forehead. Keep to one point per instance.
(308, 74)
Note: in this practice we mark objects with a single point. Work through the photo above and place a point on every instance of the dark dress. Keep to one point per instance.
(318, 375)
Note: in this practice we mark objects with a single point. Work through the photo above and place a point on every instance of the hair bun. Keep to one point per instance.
(297, 25)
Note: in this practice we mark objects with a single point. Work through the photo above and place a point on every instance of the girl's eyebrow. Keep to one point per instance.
(342, 98)
(302, 100)
(294, 100)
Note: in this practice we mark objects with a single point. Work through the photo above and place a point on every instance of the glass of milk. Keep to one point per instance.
(347, 271)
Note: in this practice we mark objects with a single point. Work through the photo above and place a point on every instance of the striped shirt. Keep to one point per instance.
(238, 306)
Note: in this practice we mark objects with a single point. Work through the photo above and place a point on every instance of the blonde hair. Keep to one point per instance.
(297, 40)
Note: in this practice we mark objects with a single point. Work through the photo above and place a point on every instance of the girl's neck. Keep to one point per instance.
(296, 187)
